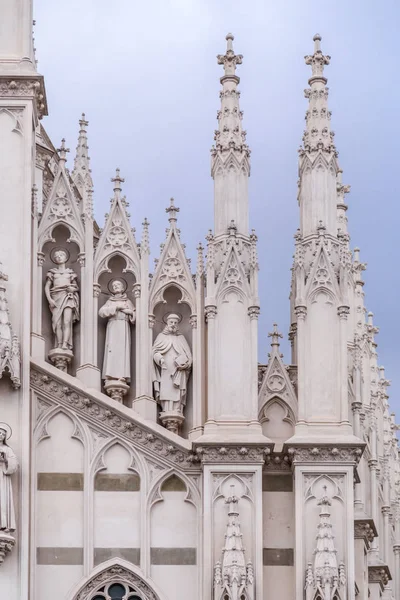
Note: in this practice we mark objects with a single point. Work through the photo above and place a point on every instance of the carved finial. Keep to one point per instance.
(317, 61)
(172, 211)
(62, 151)
(275, 335)
(81, 171)
(145, 243)
(83, 123)
(200, 260)
(230, 59)
(117, 180)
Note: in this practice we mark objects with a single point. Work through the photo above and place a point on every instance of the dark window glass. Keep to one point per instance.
(116, 591)
(99, 597)
(134, 597)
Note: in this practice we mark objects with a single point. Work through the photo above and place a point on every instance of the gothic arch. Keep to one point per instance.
(13, 114)
(41, 433)
(102, 265)
(277, 399)
(155, 494)
(98, 463)
(119, 571)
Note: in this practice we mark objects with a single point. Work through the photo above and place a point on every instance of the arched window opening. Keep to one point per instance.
(117, 591)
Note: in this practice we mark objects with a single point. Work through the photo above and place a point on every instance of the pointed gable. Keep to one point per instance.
(172, 267)
(232, 276)
(276, 382)
(117, 237)
(322, 277)
(61, 209)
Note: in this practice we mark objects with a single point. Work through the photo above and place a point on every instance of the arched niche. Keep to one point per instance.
(174, 536)
(117, 512)
(61, 239)
(172, 303)
(117, 269)
(58, 498)
(277, 422)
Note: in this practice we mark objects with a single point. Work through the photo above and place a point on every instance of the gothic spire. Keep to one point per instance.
(319, 198)
(81, 171)
(318, 135)
(233, 578)
(325, 579)
(230, 154)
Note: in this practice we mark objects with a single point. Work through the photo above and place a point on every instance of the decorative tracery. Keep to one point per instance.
(117, 591)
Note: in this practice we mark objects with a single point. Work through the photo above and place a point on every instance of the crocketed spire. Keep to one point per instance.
(230, 165)
(233, 578)
(81, 171)
(318, 135)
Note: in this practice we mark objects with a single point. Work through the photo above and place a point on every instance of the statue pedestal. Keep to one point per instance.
(116, 388)
(172, 420)
(7, 543)
(61, 358)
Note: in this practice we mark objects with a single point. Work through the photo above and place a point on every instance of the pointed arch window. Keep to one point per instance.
(117, 591)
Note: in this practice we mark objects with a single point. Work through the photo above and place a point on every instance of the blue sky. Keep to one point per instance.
(146, 76)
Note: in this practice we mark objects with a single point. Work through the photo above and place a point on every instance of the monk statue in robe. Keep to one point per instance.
(172, 361)
(8, 466)
(62, 293)
(120, 313)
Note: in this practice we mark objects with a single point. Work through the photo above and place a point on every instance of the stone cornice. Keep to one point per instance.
(379, 574)
(348, 454)
(105, 413)
(25, 86)
(365, 529)
(232, 453)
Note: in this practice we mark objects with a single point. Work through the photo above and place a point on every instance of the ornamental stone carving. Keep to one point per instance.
(233, 454)
(233, 576)
(172, 362)
(120, 313)
(8, 466)
(62, 294)
(114, 575)
(325, 578)
(326, 454)
(10, 360)
(113, 421)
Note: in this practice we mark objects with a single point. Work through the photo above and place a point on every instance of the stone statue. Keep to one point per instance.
(172, 361)
(62, 293)
(8, 466)
(120, 313)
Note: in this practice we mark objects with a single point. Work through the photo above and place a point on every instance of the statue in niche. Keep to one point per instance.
(172, 361)
(120, 313)
(62, 293)
(8, 466)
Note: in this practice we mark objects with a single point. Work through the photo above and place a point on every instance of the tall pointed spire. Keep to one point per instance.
(230, 165)
(81, 171)
(318, 166)
(325, 579)
(233, 578)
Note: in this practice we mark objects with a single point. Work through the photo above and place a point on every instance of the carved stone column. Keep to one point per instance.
(210, 314)
(343, 312)
(301, 314)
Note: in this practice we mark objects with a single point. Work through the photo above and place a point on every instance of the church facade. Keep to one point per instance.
(145, 453)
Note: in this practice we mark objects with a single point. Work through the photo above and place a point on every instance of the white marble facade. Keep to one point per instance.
(144, 452)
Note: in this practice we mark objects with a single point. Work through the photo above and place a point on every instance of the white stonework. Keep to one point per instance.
(152, 457)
